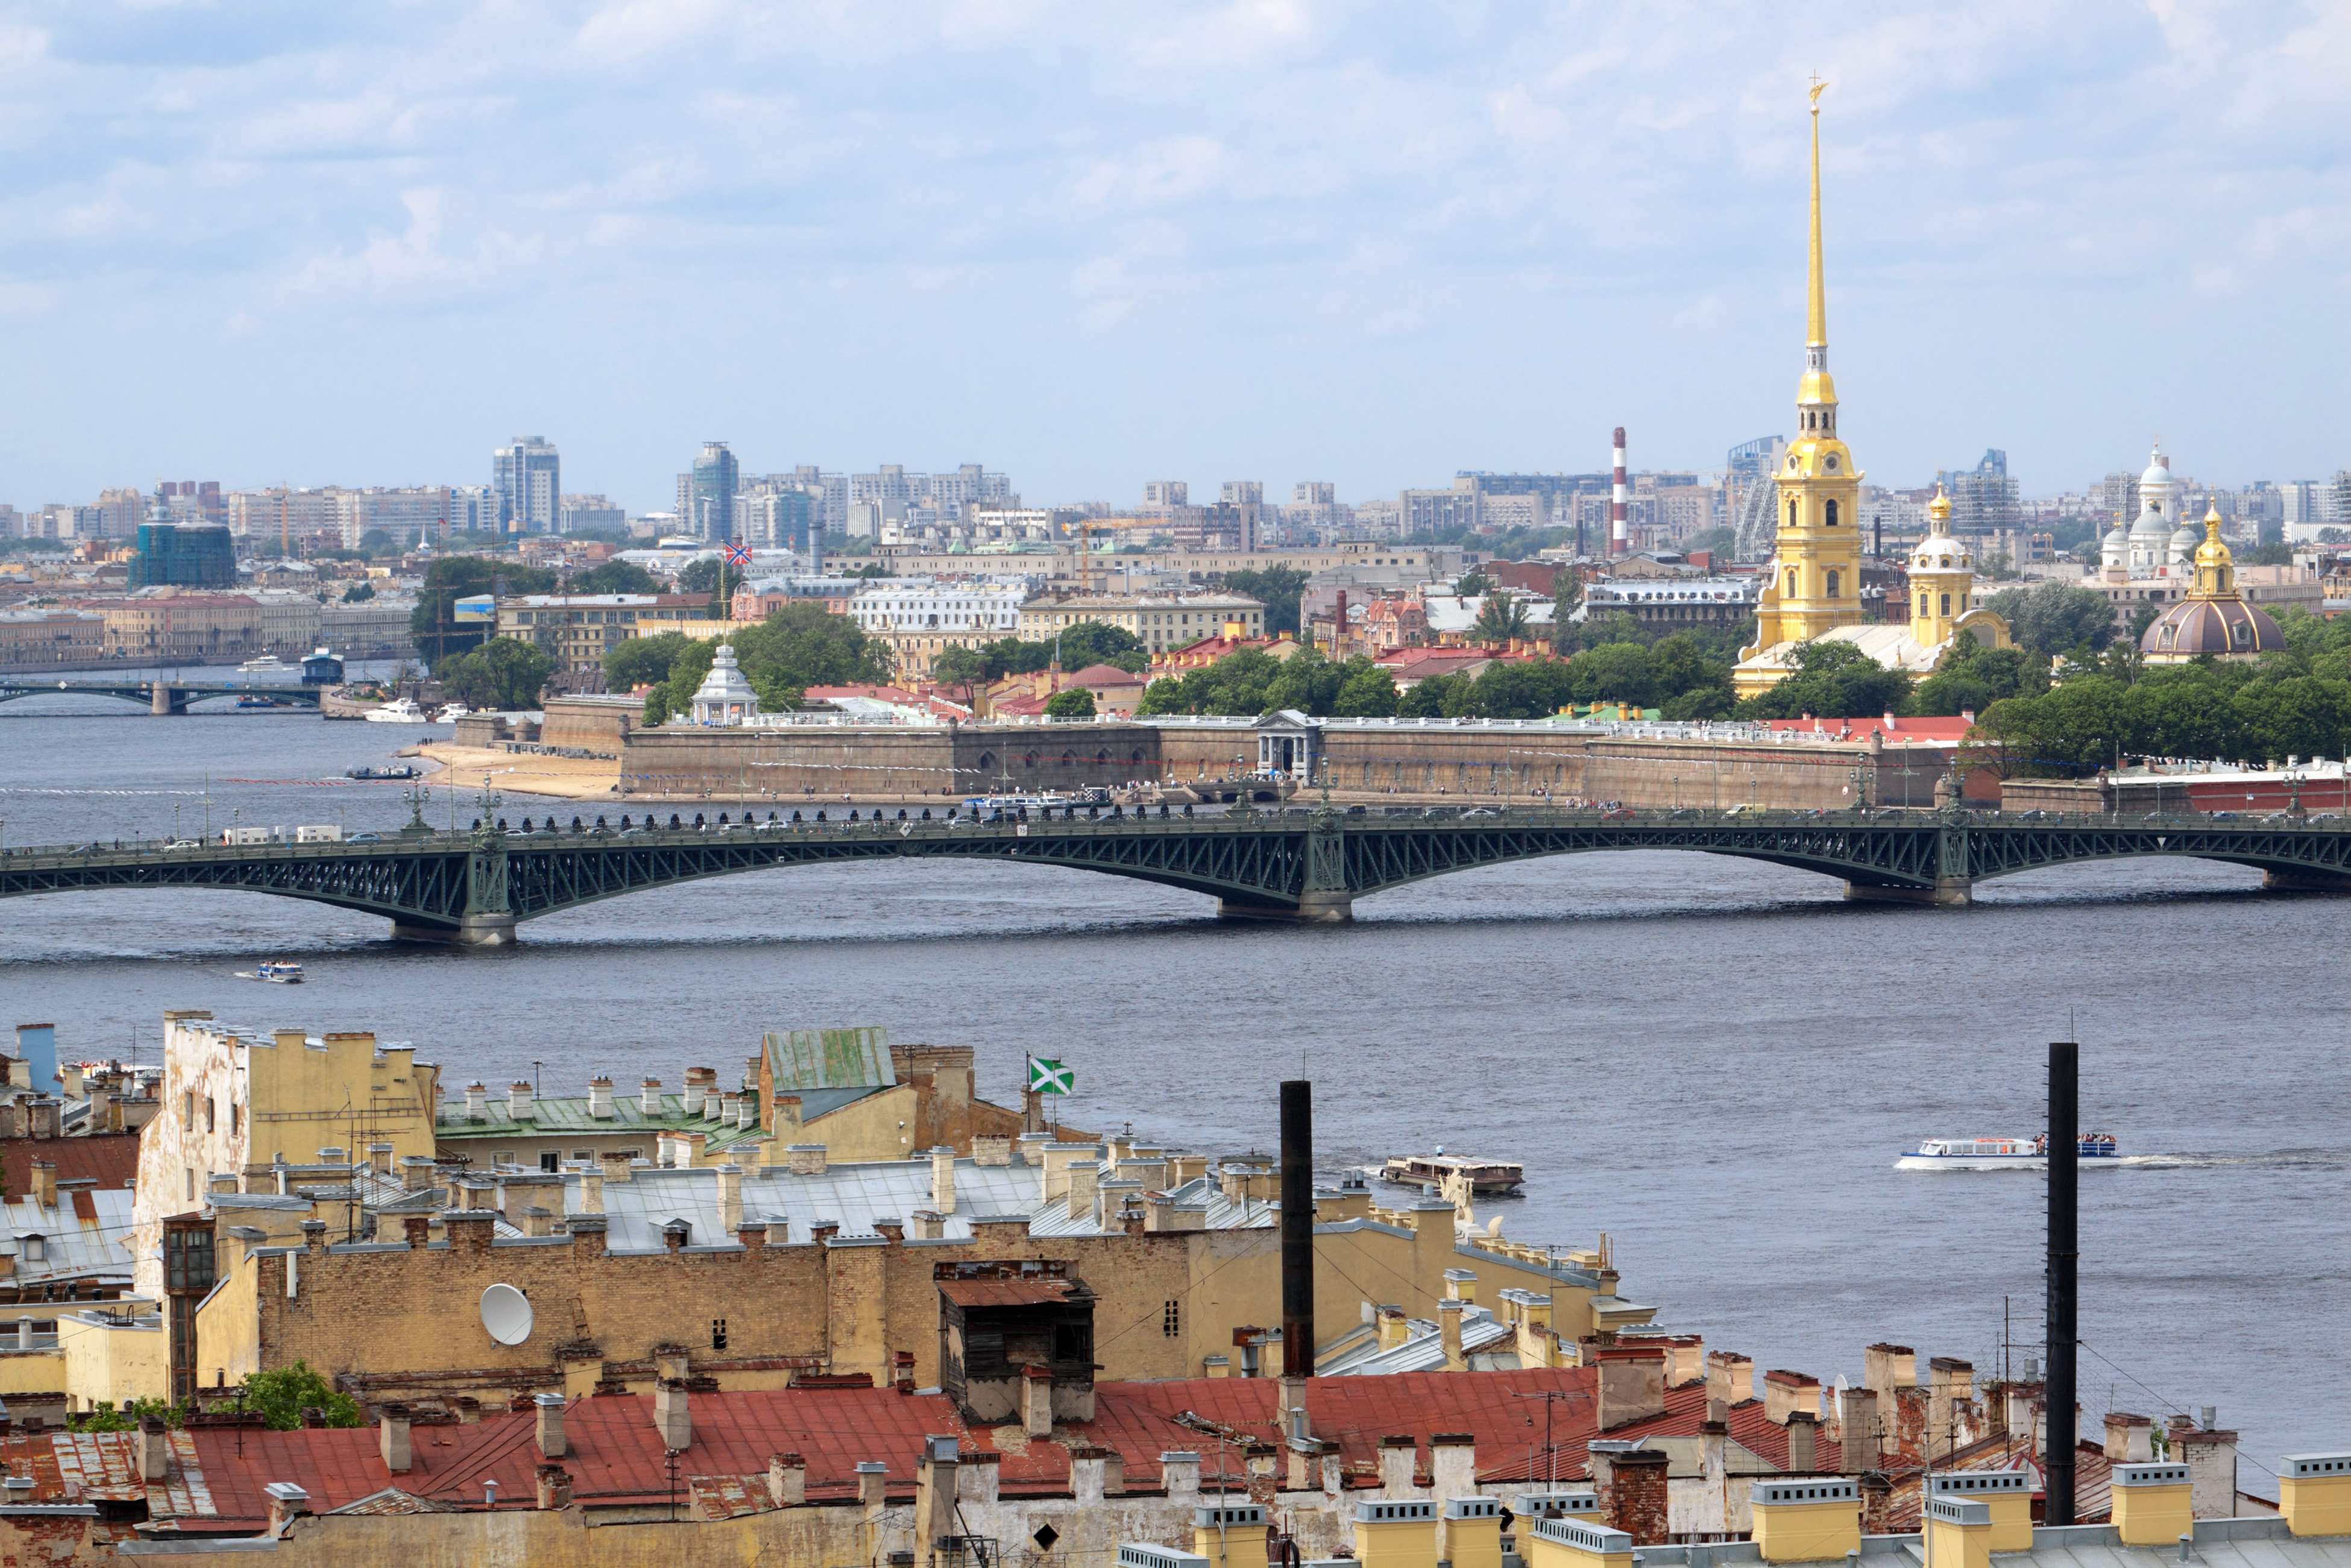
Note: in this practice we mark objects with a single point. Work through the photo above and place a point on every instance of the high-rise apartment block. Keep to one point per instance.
(707, 504)
(1982, 498)
(1315, 493)
(1167, 493)
(1242, 493)
(182, 555)
(591, 512)
(528, 474)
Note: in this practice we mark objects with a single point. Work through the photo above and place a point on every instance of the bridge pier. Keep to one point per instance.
(161, 702)
(1314, 908)
(2306, 881)
(1948, 892)
(470, 931)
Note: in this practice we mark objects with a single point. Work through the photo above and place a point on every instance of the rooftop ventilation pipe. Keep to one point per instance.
(2065, 1173)
(1297, 1240)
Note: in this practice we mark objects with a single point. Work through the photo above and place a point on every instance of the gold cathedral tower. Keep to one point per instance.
(1815, 585)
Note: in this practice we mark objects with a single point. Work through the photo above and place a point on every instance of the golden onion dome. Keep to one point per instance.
(1939, 509)
(2212, 552)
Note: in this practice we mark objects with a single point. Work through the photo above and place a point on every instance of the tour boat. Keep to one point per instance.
(275, 974)
(403, 771)
(1017, 803)
(399, 710)
(454, 712)
(262, 665)
(1488, 1179)
(1998, 1154)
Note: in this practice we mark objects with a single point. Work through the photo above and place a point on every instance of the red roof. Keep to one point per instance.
(1943, 731)
(1105, 675)
(111, 1159)
(615, 1453)
(1006, 1292)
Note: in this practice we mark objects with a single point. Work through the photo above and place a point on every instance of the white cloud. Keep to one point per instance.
(1161, 173)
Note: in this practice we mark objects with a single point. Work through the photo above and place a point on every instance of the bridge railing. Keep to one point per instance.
(1291, 818)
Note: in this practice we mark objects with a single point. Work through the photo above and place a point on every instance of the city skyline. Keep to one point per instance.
(1373, 250)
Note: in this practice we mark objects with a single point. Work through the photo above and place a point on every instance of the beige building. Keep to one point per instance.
(290, 620)
(1158, 620)
(577, 631)
(174, 626)
(32, 640)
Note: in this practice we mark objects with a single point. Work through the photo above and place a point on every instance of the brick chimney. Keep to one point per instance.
(1631, 1385)
(786, 1480)
(1730, 1378)
(942, 1180)
(1859, 1432)
(554, 1487)
(671, 1418)
(418, 1172)
(391, 1437)
(45, 1183)
(599, 1099)
(730, 1198)
(288, 1502)
(1803, 1445)
(154, 1448)
(699, 1080)
(1637, 1502)
(477, 1101)
(548, 1409)
(615, 1166)
(1037, 1401)
(2130, 1440)
(1785, 1393)
(649, 1098)
(518, 1104)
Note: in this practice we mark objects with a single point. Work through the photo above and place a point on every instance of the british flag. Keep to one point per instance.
(739, 555)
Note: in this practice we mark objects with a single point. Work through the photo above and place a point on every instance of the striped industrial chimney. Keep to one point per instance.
(1618, 544)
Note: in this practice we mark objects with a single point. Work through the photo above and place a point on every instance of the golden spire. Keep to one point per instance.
(1816, 320)
(1940, 510)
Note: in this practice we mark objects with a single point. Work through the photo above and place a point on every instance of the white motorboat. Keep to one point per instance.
(2000, 1153)
(399, 710)
(274, 973)
(264, 664)
(453, 712)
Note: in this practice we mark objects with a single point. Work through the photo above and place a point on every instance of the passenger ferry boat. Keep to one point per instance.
(1488, 1179)
(274, 973)
(263, 665)
(1998, 1154)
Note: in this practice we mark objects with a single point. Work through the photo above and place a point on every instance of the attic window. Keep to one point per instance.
(36, 1249)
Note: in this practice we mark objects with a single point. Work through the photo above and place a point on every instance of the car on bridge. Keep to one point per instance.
(183, 844)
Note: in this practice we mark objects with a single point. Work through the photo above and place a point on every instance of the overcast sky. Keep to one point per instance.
(1092, 245)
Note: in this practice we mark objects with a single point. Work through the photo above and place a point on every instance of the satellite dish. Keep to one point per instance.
(506, 1312)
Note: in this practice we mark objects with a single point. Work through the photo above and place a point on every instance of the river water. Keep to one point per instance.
(1714, 1062)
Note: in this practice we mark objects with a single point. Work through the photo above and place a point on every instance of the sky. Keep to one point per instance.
(1095, 246)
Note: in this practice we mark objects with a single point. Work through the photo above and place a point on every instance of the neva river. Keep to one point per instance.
(1716, 1063)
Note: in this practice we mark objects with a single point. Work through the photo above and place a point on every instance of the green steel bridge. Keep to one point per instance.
(477, 886)
(158, 696)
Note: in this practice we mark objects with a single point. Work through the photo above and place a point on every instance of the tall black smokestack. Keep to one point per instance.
(1297, 1228)
(2064, 1252)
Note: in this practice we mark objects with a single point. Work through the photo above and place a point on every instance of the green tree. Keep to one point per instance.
(614, 577)
(960, 666)
(702, 577)
(2275, 554)
(1614, 672)
(1500, 618)
(1236, 684)
(1471, 584)
(799, 646)
(358, 592)
(105, 1418)
(2052, 617)
(1714, 541)
(1074, 703)
(1523, 688)
(644, 661)
(279, 1397)
(1566, 593)
(376, 541)
(871, 570)
(1832, 680)
(1439, 697)
(433, 624)
(1368, 692)
(1278, 587)
(503, 672)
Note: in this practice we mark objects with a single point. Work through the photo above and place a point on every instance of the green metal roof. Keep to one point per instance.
(807, 1059)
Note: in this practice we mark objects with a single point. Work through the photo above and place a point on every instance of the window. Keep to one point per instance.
(1833, 585)
(236, 1117)
(550, 1160)
(1922, 604)
(1074, 1341)
(503, 1157)
(718, 1333)
(190, 1195)
(1171, 1318)
(37, 1248)
(210, 1111)
(1947, 604)
(1792, 505)
(587, 1154)
(187, 1112)
(1829, 514)
(1791, 584)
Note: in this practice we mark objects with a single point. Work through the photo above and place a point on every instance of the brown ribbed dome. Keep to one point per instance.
(2228, 627)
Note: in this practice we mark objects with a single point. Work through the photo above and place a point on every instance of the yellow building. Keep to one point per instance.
(1813, 591)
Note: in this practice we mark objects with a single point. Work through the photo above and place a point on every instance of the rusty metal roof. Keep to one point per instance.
(1006, 1292)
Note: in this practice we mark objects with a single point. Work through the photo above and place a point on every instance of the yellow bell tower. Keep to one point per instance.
(1942, 578)
(1816, 580)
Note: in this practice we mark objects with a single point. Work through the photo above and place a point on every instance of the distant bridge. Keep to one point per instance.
(157, 696)
(478, 886)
